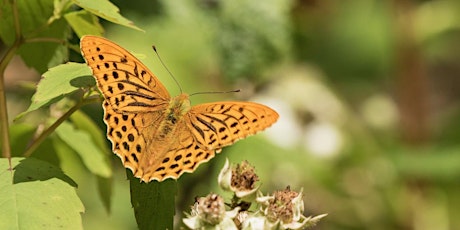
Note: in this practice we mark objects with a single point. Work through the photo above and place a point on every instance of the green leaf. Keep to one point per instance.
(105, 191)
(60, 7)
(84, 123)
(83, 22)
(58, 82)
(106, 10)
(80, 141)
(37, 195)
(32, 15)
(34, 18)
(7, 33)
(153, 202)
(69, 161)
(20, 135)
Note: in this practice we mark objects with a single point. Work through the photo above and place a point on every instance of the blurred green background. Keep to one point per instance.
(367, 92)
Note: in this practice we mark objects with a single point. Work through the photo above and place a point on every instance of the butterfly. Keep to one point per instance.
(155, 135)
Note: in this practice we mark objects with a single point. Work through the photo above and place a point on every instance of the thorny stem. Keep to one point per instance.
(56, 124)
(4, 126)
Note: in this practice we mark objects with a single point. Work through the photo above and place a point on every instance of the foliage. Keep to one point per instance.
(37, 192)
(43, 28)
(366, 91)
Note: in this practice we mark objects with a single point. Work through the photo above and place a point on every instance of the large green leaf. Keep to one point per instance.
(153, 202)
(37, 195)
(80, 141)
(106, 10)
(59, 82)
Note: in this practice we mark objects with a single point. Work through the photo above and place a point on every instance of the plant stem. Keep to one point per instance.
(56, 124)
(52, 40)
(4, 125)
(5, 139)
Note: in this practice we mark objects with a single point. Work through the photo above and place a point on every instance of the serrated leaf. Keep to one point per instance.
(153, 202)
(106, 10)
(81, 142)
(58, 82)
(37, 195)
(83, 22)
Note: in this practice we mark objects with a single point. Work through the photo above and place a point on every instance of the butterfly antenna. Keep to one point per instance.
(162, 63)
(231, 91)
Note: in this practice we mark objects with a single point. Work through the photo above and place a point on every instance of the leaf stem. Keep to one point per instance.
(56, 124)
(4, 125)
(53, 40)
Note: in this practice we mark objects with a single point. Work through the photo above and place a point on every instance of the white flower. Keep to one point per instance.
(225, 177)
(209, 213)
(284, 210)
(240, 179)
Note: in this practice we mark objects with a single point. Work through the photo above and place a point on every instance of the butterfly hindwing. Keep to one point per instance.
(183, 155)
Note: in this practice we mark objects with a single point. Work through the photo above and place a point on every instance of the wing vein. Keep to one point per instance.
(207, 124)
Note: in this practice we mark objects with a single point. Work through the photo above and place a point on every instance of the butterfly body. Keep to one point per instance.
(156, 136)
(178, 107)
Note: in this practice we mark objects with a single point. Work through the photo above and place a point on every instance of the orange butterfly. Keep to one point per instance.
(156, 136)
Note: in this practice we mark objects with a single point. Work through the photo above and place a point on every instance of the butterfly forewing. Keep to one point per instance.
(215, 125)
(126, 83)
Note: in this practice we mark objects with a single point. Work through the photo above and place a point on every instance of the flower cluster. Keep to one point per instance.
(281, 210)
(209, 213)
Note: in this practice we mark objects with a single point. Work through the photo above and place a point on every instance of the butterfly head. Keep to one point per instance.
(179, 105)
